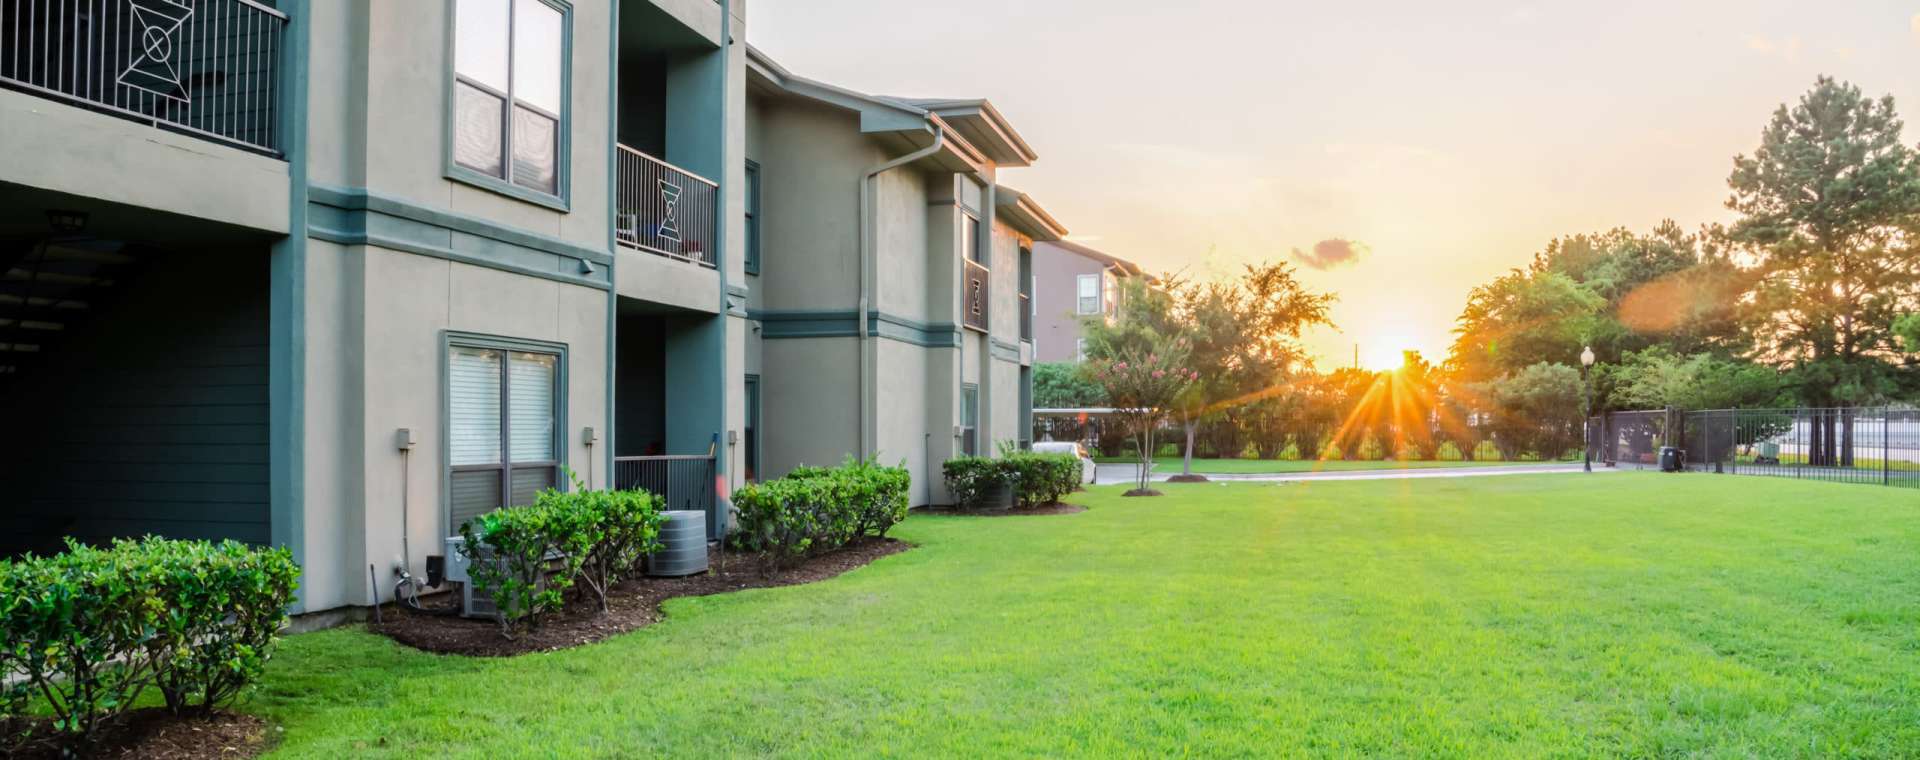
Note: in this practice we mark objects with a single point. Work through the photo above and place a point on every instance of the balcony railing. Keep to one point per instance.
(663, 209)
(976, 296)
(685, 482)
(205, 67)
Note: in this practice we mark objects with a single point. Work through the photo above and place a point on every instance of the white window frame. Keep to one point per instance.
(1080, 296)
(1080, 349)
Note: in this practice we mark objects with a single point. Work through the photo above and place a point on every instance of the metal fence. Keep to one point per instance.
(664, 209)
(1879, 445)
(205, 67)
(686, 482)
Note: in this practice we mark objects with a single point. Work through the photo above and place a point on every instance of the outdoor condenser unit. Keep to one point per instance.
(473, 603)
(683, 545)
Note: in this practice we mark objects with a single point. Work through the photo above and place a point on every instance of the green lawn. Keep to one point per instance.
(1283, 466)
(1617, 614)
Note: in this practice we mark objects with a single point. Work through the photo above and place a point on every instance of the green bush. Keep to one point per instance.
(527, 558)
(88, 630)
(817, 509)
(1036, 479)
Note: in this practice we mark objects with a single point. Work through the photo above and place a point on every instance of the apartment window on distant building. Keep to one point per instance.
(1089, 294)
(509, 64)
(969, 419)
(970, 238)
(503, 408)
(1109, 294)
(753, 218)
(1080, 349)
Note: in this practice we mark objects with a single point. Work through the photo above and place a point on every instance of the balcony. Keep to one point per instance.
(665, 210)
(977, 296)
(209, 68)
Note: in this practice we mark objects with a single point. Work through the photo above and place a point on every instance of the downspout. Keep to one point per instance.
(868, 233)
(722, 475)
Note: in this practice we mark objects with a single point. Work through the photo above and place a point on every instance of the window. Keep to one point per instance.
(1109, 294)
(969, 419)
(753, 429)
(1089, 294)
(502, 425)
(1080, 349)
(753, 218)
(970, 238)
(509, 66)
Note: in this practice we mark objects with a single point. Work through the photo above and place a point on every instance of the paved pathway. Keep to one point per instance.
(1125, 473)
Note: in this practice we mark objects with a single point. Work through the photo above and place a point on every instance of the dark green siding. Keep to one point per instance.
(150, 416)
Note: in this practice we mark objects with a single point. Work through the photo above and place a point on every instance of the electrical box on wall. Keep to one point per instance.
(403, 439)
(589, 436)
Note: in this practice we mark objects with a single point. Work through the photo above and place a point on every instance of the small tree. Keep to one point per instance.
(1144, 387)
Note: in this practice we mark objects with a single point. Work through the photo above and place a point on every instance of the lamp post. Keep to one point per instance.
(1586, 417)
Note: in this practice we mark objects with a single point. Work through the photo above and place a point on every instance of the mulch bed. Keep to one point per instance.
(631, 606)
(157, 734)
(1143, 492)
(1061, 508)
(1188, 479)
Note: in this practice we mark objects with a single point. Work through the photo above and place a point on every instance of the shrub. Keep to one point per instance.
(819, 509)
(1036, 479)
(597, 538)
(89, 629)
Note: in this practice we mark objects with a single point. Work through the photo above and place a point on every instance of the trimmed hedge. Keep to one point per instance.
(816, 509)
(1036, 479)
(597, 538)
(89, 630)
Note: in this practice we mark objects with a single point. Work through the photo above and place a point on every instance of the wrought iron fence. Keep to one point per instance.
(1878, 445)
(686, 482)
(664, 209)
(976, 295)
(205, 67)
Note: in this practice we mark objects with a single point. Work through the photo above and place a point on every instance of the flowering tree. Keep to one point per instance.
(1144, 385)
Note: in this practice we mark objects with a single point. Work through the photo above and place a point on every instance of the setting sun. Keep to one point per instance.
(1384, 354)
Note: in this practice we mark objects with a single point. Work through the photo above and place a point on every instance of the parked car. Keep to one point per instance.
(1069, 447)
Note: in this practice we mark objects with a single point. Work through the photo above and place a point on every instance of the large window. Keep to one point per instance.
(509, 118)
(970, 238)
(753, 218)
(1088, 294)
(753, 429)
(969, 419)
(502, 428)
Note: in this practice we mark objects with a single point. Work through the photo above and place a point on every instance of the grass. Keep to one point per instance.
(1564, 615)
(1285, 466)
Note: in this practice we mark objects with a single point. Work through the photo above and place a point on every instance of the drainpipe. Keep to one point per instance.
(867, 234)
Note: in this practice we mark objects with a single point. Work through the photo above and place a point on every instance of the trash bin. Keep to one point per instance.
(1672, 459)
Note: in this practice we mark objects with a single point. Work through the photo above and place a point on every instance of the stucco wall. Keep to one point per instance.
(1056, 327)
(387, 374)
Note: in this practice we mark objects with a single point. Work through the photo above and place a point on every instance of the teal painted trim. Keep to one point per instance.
(287, 329)
(613, 266)
(723, 449)
(357, 217)
(777, 325)
(451, 338)
(563, 179)
(1004, 351)
(751, 263)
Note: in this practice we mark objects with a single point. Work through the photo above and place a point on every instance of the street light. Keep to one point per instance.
(1586, 418)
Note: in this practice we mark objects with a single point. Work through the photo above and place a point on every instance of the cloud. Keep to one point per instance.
(1332, 254)
(1788, 48)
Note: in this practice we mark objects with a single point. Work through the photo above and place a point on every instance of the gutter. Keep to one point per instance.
(868, 233)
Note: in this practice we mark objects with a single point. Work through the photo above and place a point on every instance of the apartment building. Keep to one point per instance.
(1072, 283)
(338, 276)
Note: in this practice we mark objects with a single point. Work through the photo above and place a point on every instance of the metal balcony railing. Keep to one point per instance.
(976, 295)
(205, 67)
(685, 482)
(663, 209)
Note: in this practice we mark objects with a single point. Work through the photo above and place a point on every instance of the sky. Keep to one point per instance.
(1399, 153)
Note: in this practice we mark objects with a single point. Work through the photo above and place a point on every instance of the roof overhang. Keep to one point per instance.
(983, 126)
(904, 126)
(1021, 212)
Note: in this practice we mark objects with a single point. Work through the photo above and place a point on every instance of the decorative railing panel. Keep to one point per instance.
(664, 209)
(976, 296)
(686, 482)
(206, 67)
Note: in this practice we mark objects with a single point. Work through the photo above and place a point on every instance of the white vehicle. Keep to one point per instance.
(1069, 447)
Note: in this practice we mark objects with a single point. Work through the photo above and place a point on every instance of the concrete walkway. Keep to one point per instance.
(1110, 474)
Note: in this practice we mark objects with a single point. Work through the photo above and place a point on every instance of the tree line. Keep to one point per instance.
(1807, 298)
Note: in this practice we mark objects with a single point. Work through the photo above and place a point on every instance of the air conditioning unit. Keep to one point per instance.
(473, 603)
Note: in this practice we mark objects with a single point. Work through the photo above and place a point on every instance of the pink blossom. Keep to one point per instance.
(1157, 374)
